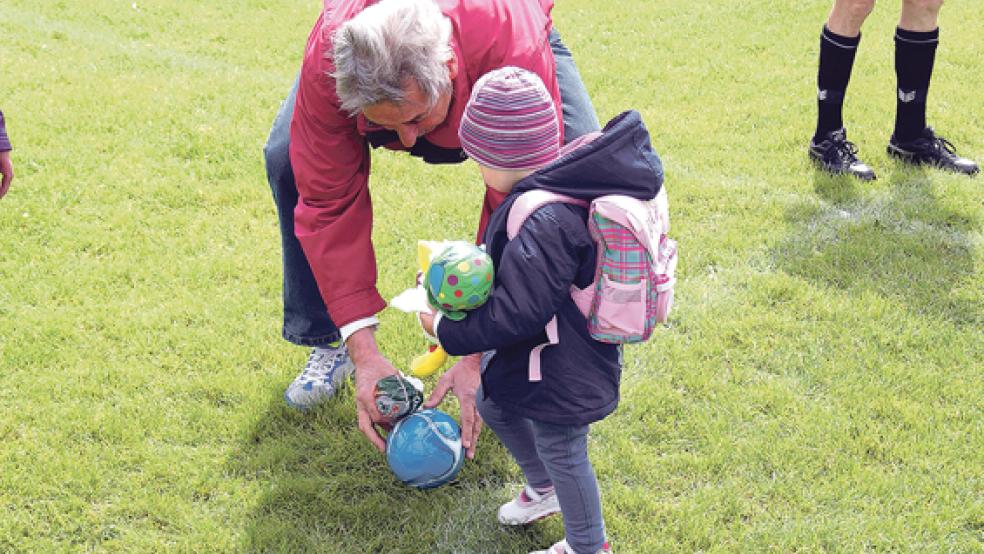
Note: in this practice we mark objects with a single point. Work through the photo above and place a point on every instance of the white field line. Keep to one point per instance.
(881, 208)
(12, 18)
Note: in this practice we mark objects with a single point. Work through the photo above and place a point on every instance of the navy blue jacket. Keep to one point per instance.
(533, 276)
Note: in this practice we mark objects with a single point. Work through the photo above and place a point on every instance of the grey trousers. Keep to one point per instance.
(558, 455)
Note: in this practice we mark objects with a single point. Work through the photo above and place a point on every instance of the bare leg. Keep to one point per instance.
(847, 16)
(920, 15)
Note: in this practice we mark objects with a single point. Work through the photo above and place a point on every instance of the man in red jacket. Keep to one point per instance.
(394, 74)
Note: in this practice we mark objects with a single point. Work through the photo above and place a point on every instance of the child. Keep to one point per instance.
(510, 127)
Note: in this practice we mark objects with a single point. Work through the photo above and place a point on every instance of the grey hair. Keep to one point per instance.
(384, 46)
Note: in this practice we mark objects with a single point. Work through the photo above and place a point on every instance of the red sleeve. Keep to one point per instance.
(492, 200)
(333, 217)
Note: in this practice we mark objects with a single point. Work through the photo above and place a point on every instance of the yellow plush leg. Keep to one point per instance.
(426, 364)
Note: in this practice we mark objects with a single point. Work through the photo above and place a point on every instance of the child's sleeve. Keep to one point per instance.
(533, 279)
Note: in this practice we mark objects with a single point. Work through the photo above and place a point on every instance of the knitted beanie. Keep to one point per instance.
(510, 121)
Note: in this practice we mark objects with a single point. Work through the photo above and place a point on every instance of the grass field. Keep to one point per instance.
(820, 387)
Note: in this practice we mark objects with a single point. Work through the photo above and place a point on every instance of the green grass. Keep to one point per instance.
(818, 389)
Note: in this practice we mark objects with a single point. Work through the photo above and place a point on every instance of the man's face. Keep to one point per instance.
(411, 118)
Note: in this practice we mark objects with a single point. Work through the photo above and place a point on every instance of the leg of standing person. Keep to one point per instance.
(537, 499)
(579, 114)
(916, 39)
(563, 450)
(306, 320)
(839, 40)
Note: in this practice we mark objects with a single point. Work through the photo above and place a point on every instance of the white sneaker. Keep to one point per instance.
(563, 548)
(325, 371)
(529, 506)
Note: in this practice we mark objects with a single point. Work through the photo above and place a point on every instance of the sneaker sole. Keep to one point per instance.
(818, 163)
(295, 405)
(306, 407)
(538, 517)
(912, 159)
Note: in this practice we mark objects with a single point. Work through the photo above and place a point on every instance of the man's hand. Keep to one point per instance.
(370, 367)
(462, 380)
(6, 172)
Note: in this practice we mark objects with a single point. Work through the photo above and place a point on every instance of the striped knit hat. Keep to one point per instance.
(510, 121)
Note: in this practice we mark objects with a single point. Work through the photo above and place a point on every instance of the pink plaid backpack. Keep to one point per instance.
(633, 287)
(632, 290)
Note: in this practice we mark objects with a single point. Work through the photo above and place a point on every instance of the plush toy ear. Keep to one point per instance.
(435, 278)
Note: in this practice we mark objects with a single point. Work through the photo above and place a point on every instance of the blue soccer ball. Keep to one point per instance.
(424, 449)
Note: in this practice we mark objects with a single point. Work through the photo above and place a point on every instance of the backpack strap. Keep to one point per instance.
(531, 201)
(552, 338)
(519, 212)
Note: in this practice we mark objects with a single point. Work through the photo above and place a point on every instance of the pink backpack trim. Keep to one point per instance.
(526, 204)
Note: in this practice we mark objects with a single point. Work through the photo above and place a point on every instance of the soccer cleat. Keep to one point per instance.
(563, 548)
(931, 149)
(529, 506)
(839, 156)
(325, 371)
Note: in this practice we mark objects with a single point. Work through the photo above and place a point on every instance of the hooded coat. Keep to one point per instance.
(533, 275)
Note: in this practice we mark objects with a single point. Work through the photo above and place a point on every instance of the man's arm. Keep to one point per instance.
(333, 222)
(333, 217)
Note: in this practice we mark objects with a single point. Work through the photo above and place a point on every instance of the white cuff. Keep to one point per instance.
(349, 328)
(437, 320)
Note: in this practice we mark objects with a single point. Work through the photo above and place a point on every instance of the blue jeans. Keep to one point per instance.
(306, 320)
(558, 455)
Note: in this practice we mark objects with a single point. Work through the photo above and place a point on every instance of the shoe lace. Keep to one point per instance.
(940, 144)
(320, 363)
(841, 150)
(314, 361)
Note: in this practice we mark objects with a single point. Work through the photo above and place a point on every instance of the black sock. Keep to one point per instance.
(834, 71)
(914, 55)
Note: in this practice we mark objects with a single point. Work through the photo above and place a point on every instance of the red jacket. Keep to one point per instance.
(330, 154)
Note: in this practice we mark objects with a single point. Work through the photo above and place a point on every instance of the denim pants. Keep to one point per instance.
(306, 320)
(558, 455)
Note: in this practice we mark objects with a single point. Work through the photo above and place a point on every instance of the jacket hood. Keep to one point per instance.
(619, 161)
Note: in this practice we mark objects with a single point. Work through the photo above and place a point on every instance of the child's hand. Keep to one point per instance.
(462, 380)
(427, 323)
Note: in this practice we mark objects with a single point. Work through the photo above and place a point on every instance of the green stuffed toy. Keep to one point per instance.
(459, 279)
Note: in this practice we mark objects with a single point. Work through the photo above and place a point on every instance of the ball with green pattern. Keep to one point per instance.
(397, 397)
(459, 279)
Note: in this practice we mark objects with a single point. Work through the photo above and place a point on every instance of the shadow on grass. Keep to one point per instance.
(901, 242)
(321, 487)
(836, 189)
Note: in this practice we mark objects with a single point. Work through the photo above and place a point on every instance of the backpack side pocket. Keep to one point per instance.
(619, 311)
